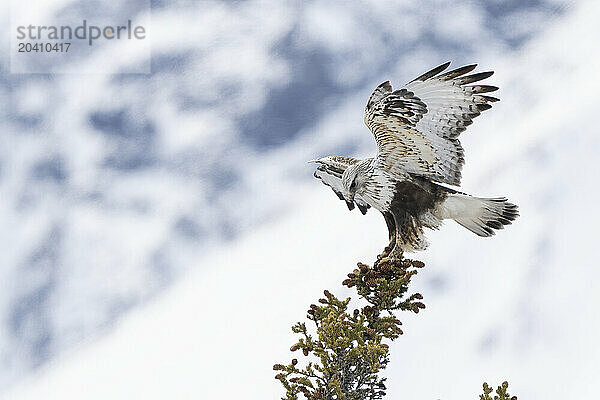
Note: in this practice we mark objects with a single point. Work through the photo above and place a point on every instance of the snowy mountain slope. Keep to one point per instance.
(520, 306)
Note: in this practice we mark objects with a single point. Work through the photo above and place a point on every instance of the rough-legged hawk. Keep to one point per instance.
(416, 129)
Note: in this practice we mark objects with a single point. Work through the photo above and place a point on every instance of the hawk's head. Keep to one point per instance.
(353, 179)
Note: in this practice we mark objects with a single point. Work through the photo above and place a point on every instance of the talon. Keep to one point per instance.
(392, 255)
(388, 260)
(386, 252)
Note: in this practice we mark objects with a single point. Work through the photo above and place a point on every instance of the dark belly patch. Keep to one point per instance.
(416, 197)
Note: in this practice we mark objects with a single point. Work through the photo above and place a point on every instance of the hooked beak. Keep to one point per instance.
(350, 202)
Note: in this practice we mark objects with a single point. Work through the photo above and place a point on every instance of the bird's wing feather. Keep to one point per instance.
(330, 172)
(416, 127)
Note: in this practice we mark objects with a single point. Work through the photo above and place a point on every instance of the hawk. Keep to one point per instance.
(419, 156)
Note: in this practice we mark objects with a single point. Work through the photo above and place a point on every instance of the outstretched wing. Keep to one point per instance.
(330, 172)
(416, 127)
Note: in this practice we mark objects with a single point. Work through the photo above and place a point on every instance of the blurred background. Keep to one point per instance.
(161, 232)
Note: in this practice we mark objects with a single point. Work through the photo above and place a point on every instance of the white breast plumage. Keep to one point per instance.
(378, 191)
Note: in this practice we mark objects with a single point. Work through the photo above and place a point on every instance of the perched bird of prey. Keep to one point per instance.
(416, 129)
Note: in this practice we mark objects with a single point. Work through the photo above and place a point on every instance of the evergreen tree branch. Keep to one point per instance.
(346, 349)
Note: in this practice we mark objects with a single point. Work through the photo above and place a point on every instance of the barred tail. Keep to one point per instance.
(479, 215)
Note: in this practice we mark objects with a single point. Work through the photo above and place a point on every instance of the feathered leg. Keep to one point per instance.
(391, 225)
(393, 251)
